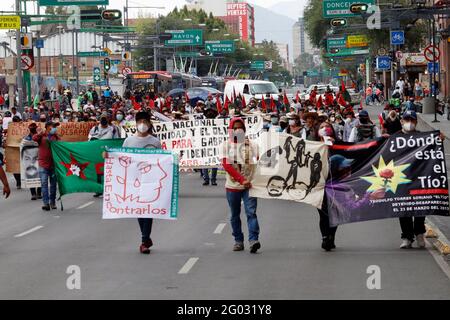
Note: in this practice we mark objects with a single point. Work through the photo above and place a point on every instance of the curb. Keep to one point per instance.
(429, 126)
(440, 245)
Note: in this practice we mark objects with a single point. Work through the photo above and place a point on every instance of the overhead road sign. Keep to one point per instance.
(10, 22)
(341, 8)
(336, 52)
(223, 46)
(359, 40)
(338, 42)
(92, 54)
(192, 37)
(73, 3)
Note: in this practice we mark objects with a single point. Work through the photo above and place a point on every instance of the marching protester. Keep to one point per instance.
(46, 165)
(294, 128)
(365, 129)
(239, 157)
(29, 144)
(144, 139)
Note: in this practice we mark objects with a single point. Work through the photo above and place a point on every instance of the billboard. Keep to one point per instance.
(240, 10)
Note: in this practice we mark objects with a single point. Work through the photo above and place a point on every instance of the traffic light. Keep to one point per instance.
(204, 53)
(106, 64)
(338, 22)
(334, 50)
(111, 15)
(126, 56)
(359, 8)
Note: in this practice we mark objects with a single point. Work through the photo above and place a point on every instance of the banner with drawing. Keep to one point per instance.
(197, 142)
(140, 183)
(290, 168)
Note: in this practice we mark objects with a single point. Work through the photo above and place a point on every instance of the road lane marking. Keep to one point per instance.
(28, 232)
(220, 228)
(85, 205)
(188, 266)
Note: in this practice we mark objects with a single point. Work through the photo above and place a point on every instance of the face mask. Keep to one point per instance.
(239, 135)
(292, 122)
(142, 128)
(274, 121)
(103, 122)
(119, 117)
(53, 131)
(409, 126)
(348, 120)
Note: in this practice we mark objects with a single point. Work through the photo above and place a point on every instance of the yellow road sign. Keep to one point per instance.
(9, 22)
(357, 41)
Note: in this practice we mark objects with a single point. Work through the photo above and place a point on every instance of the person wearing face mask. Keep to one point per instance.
(239, 158)
(326, 133)
(284, 123)
(309, 131)
(104, 130)
(120, 118)
(266, 122)
(365, 130)
(144, 139)
(350, 123)
(46, 165)
(411, 226)
(338, 126)
(294, 128)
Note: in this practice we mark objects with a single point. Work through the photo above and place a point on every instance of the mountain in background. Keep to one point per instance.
(270, 25)
(292, 9)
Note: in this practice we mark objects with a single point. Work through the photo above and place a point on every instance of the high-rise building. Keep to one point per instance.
(283, 49)
(239, 16)
(301, 41)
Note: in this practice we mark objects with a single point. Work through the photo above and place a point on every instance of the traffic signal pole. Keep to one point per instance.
(19, 65)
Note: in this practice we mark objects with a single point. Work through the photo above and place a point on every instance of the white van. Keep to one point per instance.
(250, 89)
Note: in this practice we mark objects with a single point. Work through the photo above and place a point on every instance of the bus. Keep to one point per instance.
(160, 81)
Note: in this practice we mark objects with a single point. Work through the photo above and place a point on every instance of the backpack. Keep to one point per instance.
(365, 132)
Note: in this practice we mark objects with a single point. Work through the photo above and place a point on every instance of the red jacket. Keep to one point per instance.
(45, 157)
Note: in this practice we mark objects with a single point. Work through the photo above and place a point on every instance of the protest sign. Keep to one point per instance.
(140, 183)
(29, 167)
(69, 131)
(290, 168)
(409, 171)
(197, 142)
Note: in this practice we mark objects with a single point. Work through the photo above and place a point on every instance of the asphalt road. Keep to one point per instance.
(290, 264)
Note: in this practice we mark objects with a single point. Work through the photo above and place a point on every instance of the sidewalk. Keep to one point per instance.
(425, 124)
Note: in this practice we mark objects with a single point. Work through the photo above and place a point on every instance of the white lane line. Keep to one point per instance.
(188, 266)
(28, 232)
(220, 228)
(85, 205)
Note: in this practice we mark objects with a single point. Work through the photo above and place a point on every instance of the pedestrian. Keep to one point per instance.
(4, 179)
(309, 130)
(239, 158)
(365, 129)
(46, 165)
(418, 89)
(144, 139)
(294, 125)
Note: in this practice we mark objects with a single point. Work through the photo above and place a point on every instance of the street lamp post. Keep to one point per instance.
(60, 52)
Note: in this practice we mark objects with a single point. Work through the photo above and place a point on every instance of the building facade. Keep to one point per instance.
(301, 42)
(283, 50)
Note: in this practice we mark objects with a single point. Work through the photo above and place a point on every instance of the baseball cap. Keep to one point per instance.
(409, 115)
(363, 114)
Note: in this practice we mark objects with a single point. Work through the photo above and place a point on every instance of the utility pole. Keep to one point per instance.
(38, 65)
(19, 64)
(155, 48)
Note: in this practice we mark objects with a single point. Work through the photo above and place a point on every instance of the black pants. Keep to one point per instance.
(324, 224)
(146, 228)
(35, 191)
(17, 178)
(412, 226)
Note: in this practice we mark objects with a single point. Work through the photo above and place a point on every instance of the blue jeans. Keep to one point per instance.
(45, 175)
(205, 173)
(250, 203)
(146, 228)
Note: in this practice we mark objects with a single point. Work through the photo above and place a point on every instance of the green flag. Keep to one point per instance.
(79, 165)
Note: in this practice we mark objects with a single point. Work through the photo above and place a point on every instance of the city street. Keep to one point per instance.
(290, 264)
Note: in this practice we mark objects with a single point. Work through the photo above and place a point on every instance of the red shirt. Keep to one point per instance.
(45, 158)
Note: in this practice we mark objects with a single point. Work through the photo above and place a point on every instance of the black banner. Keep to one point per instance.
(403, 176)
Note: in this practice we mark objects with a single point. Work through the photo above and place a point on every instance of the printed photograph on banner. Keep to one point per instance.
(405, 177)
(29, 167)
(290, 168)
(140, 183)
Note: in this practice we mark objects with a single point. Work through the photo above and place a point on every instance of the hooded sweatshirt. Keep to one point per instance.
(238, 159)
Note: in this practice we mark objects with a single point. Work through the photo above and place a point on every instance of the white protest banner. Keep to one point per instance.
(29, 172)
(290, 168)
(140, 183)
(197, 141)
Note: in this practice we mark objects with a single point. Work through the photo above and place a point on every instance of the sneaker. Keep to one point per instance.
(406, 244)
(238, 246)
(144, 249)
(206, 183)
(327, 244)
(33, 198)
(53, 206)
(254, 246)
(46, 207)
(420, 241)
(214, 183)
